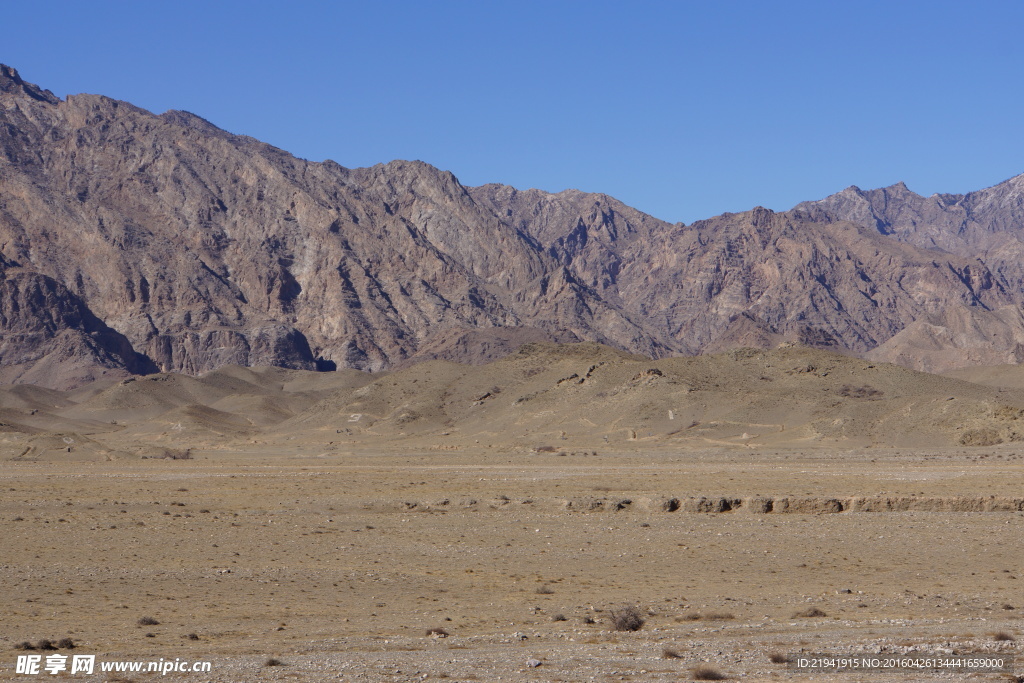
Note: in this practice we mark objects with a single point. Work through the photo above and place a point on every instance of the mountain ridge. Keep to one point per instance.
(202, 248)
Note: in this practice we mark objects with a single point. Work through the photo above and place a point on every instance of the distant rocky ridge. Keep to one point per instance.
(132, 242)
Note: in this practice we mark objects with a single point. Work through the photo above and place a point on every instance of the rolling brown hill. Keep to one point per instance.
(590, 396)
(132, 243)
(572, 398)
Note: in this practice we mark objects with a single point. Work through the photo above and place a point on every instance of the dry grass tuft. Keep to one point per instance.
(707, 673)
(627, 618)
(710, 616)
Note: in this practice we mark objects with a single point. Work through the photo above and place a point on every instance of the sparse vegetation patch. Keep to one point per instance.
(627, 618)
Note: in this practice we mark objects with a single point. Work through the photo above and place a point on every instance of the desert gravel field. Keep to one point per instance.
(152, 519)
(338, 565)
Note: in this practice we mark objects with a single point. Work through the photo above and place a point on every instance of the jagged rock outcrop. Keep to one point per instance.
(197, 248)
(752, 278)
(987, 225)
(48, 336)
(979, 223)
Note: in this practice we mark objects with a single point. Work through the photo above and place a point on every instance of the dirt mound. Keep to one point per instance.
(571, 397)
(1005, 376)
(593, 395)
(477, 347)
(142, 398)
(61, 446)
(29, 397)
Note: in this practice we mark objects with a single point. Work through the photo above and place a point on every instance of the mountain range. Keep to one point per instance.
(133, 243)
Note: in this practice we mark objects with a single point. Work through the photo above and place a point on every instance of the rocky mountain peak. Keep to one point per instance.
(761, 217)
(187, 119)
(11, 83)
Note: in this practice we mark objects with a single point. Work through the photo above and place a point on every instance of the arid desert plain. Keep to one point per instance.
(488, 523)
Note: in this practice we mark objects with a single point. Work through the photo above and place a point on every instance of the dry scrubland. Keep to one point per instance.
(749, 504)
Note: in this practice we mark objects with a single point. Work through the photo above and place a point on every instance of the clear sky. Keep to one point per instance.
(681, 109)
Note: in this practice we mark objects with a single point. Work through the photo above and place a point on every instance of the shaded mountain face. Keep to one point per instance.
(187, 248)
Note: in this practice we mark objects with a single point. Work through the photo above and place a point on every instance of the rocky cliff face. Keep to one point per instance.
(204, 249)
(987, 225)
(48, 336)
(162, 241)
(737, 278)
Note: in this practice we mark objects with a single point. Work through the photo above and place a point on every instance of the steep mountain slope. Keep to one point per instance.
(132, 242)
(978, 223)
(752, 278)
(204, 249)
(986, 225)
(48, 336)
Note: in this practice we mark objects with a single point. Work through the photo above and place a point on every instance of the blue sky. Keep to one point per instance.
(681, 109)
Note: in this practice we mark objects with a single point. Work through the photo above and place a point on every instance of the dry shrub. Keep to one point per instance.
(545, 590)
(147, 621)
(669, 653)
(66, 644)
(779, 658)
(1003, 636)
(809, 613)
(710, 616)
(273, 661)
(437, 632)
(627, 618)
(707, 673)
